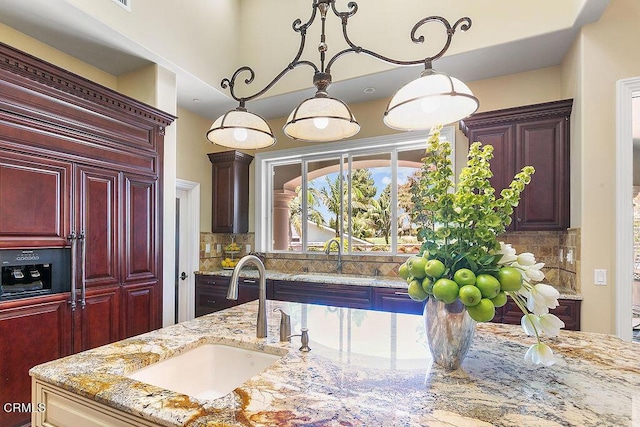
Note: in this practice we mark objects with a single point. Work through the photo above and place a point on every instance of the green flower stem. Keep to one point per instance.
(520, 303)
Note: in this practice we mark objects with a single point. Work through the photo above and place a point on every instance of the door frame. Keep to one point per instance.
(192, 241)
(625, 90)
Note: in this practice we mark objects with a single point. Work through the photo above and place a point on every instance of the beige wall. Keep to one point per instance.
(40, 50)
(605, 55)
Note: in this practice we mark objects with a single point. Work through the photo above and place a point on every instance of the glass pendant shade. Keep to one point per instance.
(241, 129)
(432, 99)
(321, 119)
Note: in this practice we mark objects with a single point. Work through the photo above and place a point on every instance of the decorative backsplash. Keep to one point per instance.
(546, 245)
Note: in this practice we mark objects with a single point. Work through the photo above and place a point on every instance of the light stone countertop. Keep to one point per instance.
(367, 368)
(345, 279)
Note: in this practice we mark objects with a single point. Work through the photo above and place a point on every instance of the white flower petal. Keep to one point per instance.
(550, 324)
(540, 353)
(526, 259)
(529, 324)
(534, 275)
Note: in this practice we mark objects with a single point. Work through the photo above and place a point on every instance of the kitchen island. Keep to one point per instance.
(366, 368)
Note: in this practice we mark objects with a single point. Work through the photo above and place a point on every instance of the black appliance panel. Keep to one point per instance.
(32, 272)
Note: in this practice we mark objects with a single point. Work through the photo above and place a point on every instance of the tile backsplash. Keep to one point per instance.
(547, 246)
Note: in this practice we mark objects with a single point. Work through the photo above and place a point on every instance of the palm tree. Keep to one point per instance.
(379, 214)
(295, 210)
(331, 197)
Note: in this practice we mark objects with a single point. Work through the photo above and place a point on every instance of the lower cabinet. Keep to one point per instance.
(332, 294)
(211, 293)
(568, 311)
(65, 409)
(29, 335)
(396, 300)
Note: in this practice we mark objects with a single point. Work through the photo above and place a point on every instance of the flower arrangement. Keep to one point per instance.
(461, 257)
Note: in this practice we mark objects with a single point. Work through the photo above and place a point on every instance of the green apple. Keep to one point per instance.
(427, 285)
(510, 279)
(434, 268)
(469, 295)
(416, 292)
(500, 299)
(403, 271)
(489, 286)
(445, 290)
(416, 265)
(483, 311)
(464, 276)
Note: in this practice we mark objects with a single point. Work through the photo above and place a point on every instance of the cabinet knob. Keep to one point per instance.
(519, 219)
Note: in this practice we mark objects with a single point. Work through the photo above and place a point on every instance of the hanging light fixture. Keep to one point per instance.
(434, 98)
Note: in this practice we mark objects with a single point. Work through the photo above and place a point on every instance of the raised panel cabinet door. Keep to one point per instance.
(140, 256)
(545, 202)
(30, 334)
(36, 201)
(223, 200)
(97, 322)
(97, 206)
(141, 308)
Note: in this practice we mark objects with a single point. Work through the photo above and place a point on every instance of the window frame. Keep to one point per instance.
(265, 162)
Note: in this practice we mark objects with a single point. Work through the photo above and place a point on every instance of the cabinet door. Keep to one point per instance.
(395, 300)
(230, 196)
(98, 210)
(140, 256)
(141, 308)
(545, 202)
(30, 334)
(36, 200)
(502, 138)
(223, 198)
(323, 293)
(97, 323)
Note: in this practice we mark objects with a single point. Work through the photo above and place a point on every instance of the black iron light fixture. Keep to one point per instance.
(434, 98)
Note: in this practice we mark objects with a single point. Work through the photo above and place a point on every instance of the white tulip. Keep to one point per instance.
(534, 273)
(530, 323)
(540, 353)
(550, 324)
(541, 298)
(507, 252)
(526, 259)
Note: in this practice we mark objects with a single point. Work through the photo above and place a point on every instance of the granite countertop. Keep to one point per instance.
(345, 279)
(367, 368)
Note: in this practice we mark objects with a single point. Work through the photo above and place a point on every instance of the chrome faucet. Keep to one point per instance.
(328, 251)
(261, 328)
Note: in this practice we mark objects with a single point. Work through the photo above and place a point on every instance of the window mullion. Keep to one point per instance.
(394, 201)
(303, 206)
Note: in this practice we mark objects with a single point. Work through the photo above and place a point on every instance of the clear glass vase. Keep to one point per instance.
(449, 330)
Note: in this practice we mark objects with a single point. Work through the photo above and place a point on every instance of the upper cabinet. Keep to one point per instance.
(230, 199)
(535, 135)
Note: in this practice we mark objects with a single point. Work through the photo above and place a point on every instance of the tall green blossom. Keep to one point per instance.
(458, 224)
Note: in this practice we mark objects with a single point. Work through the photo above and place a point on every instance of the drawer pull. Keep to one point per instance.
(211, 301)
(249, 281)
(401, 293)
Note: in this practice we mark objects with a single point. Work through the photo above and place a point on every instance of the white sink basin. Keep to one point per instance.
(209, 371)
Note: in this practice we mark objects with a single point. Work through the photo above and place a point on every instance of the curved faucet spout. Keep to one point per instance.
(328, 251)
(232, 293)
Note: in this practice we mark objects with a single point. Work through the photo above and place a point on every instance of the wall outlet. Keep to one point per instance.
(600, 277)
(219, 247)
(570, 256)
(248, 248)
(207, 248)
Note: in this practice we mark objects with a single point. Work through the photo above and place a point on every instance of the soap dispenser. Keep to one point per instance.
(285, 325)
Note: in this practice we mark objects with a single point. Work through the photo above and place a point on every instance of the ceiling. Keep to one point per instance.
(64, 27)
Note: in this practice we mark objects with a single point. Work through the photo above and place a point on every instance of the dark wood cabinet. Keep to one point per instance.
(568, 311)
(396, 300)
(30, 334)
(211, 293)
(230, 201)
(535, 135)
(332, 294)
(77, 159)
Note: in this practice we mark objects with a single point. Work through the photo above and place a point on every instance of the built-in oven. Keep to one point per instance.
(32, 272)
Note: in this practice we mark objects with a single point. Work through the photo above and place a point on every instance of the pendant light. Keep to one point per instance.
(241, 129)
(321, 118)
(433, 99)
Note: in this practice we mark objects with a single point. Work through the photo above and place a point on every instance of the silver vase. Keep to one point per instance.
(449, 330)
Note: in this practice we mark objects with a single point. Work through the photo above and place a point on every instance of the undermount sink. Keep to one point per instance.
(209, 371)
(335, 278)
